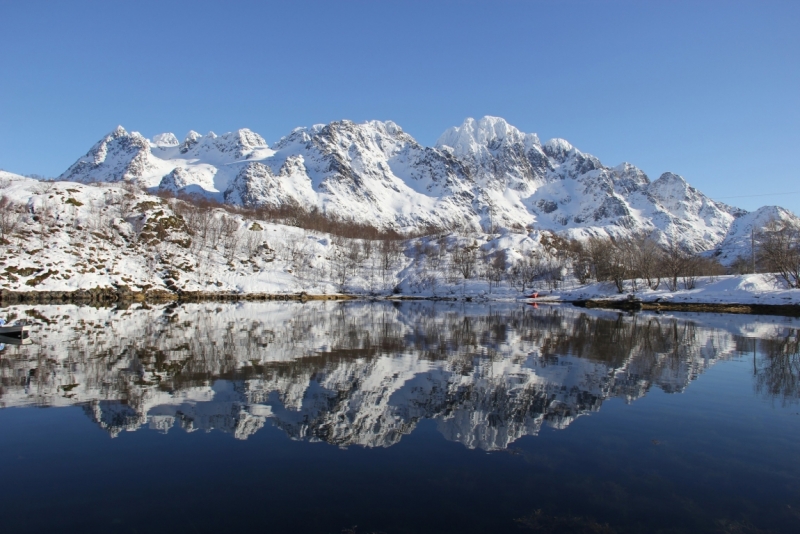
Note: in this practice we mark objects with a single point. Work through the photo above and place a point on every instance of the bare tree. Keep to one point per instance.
(646, 254)
(339, 263)
(229, 236)
(673, 264)
(779, 249)
(693, 267)
(430, 280)
(621, 263)
(582, 267)
(11, 215)
(389, 253)
(525, 272)
(600, 256)
(465, 259)
(252, 242)
(496, 270)
(355, 254)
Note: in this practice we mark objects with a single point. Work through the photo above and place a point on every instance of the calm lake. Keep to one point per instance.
(412, 417)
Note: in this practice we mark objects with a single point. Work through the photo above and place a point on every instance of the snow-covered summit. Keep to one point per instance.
(558, 148)
(165, 140)
(489, 133)
(117, 156)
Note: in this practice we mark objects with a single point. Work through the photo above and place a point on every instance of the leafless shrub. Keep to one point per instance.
(45, 187)
(295, 250)
(429, 280)
(742, 265)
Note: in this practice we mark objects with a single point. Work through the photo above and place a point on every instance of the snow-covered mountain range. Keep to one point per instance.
(360, 373)
(484, 174)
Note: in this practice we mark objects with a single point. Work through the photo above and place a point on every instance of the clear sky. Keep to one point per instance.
(706, 89)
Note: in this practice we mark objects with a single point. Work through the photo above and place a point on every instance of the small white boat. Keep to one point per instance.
(15, 331)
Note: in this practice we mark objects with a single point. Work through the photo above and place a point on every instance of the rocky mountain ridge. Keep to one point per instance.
(485, 174)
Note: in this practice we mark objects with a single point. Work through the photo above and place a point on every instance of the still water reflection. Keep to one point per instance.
(698, 429)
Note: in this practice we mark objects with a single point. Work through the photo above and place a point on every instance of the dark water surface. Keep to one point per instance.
(414, 417)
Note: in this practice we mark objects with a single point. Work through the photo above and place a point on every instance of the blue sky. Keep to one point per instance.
(709, 90)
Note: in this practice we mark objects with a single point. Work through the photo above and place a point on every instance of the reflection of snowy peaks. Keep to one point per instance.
(479, 174)
(353, 374)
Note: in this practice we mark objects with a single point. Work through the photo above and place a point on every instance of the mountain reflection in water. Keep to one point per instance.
(366, 373)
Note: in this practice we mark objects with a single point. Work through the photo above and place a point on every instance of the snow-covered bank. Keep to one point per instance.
(63, 241)
(761, 289)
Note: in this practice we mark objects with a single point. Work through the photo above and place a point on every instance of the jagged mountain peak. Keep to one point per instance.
(237, 144)
(119, 131)
(347, 138)
(671, 187)
(671, 177)
(738, 244)
(117, 156)
(192, 138)
(626, 167)
(371, 128)
(475, 137)
(246, 137)
(558, 148)
(164, 140)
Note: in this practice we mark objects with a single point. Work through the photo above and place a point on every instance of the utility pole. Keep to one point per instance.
(753, 247)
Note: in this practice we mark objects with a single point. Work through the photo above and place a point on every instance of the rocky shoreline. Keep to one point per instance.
(124, 295)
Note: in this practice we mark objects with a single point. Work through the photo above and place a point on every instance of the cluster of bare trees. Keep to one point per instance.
(779, 251)
(313, 219)
(11, 215)
(372, 259)
(639, 261)
(538, 267)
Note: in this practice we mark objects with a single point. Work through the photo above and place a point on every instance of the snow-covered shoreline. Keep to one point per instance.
(754, 293)
(725, 289)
